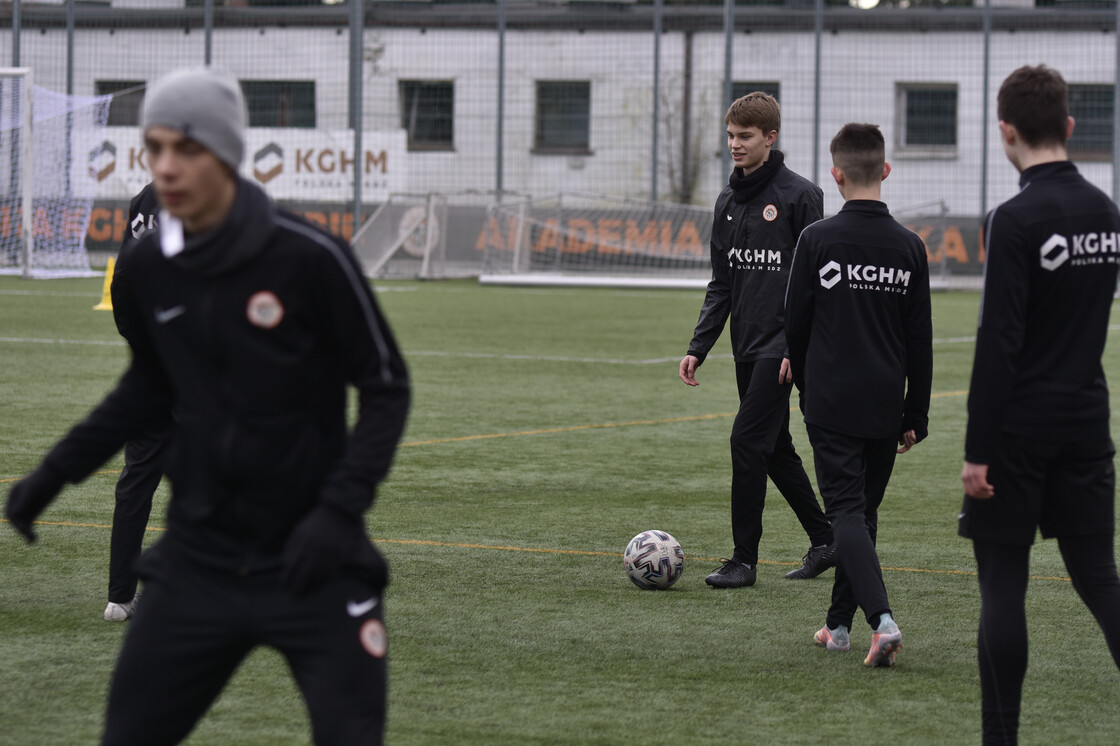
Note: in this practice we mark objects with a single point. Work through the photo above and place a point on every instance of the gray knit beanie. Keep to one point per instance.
(203, 105)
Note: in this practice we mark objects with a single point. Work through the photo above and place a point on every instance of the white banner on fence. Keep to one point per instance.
(291, 164)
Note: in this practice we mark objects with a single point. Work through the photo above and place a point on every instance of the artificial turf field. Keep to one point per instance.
(548, 427)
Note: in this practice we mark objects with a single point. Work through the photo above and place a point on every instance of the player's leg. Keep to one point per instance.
(748, 489)
(1081, 501)
(750, 436)
(1001, 642)
(181, 648)
(789, 476)
(840, 462)
(1092, 569)
(143, 469)
(1002, 530)
(335, 642)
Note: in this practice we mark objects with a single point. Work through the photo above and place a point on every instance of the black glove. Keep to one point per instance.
(319, 545)
(30, 496)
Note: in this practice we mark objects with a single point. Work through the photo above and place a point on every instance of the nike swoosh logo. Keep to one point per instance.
(355, 609)
(163, 315)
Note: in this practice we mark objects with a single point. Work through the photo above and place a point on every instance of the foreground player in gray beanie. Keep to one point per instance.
(247, 325)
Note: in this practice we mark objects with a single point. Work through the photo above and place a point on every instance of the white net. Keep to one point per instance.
(64, 133)
(435, 235)
(594, 239)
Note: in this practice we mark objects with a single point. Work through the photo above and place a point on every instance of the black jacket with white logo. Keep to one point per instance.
(143, 212)
(250, 336)
(1052, 257)
(752, 244)
(859, 324)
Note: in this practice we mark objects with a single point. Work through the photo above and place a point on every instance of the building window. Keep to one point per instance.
(428, 113)
(927, 120)
(740, 89)
(1091, 108)
(563, 117)
(280, 103)
(128, 97)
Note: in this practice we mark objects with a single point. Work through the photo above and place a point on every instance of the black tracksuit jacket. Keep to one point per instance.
(752, 245)
(1052, 256)
(858, 324)
(250, 336)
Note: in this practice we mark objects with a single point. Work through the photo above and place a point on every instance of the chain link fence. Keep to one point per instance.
(620, 99)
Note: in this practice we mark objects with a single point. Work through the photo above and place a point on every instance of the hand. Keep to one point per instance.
(908, 440)
(29, 497)
(318, 546)
(975, 479)
(688, 370)
(785, 373)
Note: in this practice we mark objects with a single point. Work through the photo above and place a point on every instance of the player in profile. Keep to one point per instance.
(143, 462)
(1038, 446)
(860, 332)
(758, 217)
(248, 325)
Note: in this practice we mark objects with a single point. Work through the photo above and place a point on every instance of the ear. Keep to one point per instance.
(1008, 133)
(771, 137)
(1069, 127)
(886, 170)
(838, 175)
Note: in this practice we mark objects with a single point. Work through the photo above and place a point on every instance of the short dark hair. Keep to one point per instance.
(859, 151)
(756, 109)
(1035, 101)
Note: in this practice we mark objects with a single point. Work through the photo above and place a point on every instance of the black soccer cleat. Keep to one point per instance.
(815, 561)
(732, 574)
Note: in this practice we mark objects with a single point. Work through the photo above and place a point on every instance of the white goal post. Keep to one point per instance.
(16, 156)
(47, 187)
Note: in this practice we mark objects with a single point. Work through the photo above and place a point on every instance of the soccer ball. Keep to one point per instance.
(653, 560)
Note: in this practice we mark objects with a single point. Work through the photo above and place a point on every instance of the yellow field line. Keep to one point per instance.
(544, 550)
(605, 425)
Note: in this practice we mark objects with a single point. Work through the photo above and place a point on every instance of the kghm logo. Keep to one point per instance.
(103, 160)
(865, 277)
(268, 163)
(766, 259)
(830, 275)
(1054, 252)
(1087, 248)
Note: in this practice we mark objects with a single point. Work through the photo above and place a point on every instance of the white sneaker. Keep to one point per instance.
(115, 612)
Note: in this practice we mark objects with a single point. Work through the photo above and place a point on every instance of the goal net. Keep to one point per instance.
(435, 235)
(46, 188)
(588, 239)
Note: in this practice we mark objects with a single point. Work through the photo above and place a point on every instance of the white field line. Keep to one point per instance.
(475, 355)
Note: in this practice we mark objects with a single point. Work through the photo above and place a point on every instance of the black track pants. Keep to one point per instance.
(761, 446)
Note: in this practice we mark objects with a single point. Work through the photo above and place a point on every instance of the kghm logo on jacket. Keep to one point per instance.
(1088, 248)
(865, 277)
(755, 259)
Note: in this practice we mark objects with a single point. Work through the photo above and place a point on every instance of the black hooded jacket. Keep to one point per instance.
(250, 336)
(757, 221)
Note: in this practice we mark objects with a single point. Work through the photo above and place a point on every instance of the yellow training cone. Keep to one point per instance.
(106, 303)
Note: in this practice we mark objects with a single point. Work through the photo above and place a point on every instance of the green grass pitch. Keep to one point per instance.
(549, 427)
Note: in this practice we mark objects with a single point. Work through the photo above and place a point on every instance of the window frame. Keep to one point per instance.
(773, 87)
(253, 97)
(415, 86)
(121, 105)
(559, 148)
(930, 151)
